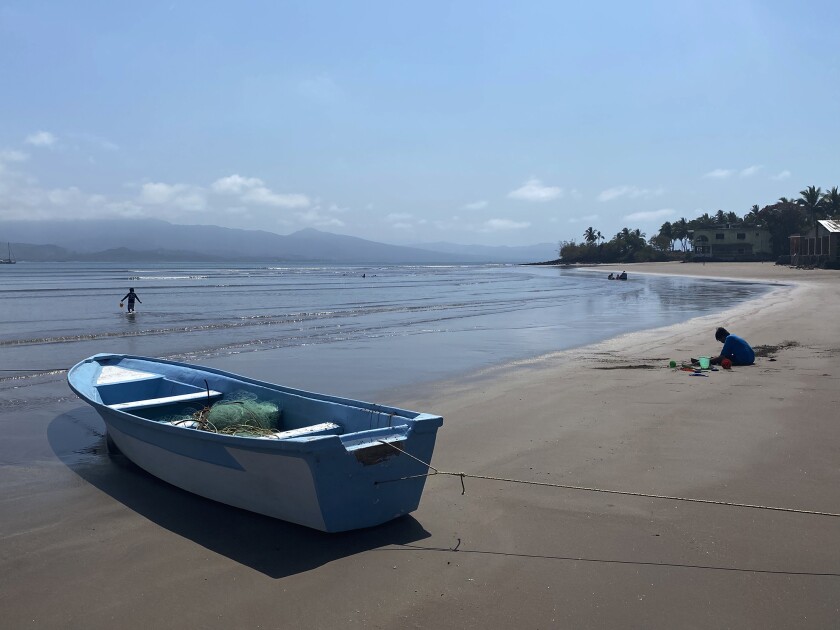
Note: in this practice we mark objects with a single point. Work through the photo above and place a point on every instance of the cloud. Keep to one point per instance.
(21, 199)
(400, 220)
(158, 192)
(314, 217)
(650, 215)
(631, 192)
(126, 209)
(235, 184)
(92, 140)
(252, 190)
(263, 196)
(234, 200)
(476, 205)
(190, 198)
(10, 155)
(726, 173)
(584, 219)
(7, 157)
(533, 190)
(782, 176)
(66, 196)
(498, 225)
(445, 225)
(41, 139)
(719, 173)
(750, 170)
(193, 200)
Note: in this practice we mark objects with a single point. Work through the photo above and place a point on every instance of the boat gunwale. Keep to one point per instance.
(253, 443)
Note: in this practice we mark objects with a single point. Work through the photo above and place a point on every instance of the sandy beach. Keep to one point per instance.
(89, 541)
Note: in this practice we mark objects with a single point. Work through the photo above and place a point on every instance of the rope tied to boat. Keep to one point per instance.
(463, 475)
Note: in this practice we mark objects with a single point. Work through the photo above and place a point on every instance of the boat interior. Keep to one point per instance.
(157, 397)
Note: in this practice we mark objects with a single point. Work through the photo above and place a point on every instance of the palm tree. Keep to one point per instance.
(704, 221)
(590, 235)
(679, 232)
(811, 200)
(831, 202)
(753, 215)
(666, 233)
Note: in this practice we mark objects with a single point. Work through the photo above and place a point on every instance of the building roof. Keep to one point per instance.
(830, 225)
(736, 227)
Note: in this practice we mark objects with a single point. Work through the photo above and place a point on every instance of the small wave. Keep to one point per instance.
(170, 278)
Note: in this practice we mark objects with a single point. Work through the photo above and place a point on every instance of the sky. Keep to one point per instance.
(495, 123)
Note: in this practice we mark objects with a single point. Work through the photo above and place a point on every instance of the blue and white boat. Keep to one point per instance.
(330, 465)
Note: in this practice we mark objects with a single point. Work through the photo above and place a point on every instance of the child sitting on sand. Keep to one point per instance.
(735, 349)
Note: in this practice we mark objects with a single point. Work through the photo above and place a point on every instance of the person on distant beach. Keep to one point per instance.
(622, 275)
(611, 277)
(735, 349)
(130, 296)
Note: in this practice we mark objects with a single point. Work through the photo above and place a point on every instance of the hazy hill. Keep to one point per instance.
(155, 240)
(86, 237)
(147, 239)
(539, 252)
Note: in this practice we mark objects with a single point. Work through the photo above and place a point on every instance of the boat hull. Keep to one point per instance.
(330, 483)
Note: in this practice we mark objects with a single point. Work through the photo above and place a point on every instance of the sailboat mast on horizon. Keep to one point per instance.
(10, 260)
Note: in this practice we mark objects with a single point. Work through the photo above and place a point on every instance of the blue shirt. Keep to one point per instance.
(738, 351)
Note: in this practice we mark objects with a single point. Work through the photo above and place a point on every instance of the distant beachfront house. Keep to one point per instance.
(725, 242)
(820, 244)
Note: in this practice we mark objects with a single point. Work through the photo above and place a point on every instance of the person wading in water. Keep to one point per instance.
(130, 296)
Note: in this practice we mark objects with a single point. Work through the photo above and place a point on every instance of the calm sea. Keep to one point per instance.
(340, 329)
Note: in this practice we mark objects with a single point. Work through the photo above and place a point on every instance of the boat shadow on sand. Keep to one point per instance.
(272, 547)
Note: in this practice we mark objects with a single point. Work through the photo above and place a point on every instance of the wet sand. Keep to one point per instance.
(89, 541)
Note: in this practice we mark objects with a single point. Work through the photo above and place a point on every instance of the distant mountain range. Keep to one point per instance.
(151, 240)
(540, 252)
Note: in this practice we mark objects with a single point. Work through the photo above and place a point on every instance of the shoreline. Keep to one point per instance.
(87, 539)
(780, 286)
(750, 271)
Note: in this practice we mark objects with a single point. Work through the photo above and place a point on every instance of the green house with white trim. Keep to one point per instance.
(732, 243)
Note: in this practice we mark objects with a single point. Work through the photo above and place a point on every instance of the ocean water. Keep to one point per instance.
(348, 330)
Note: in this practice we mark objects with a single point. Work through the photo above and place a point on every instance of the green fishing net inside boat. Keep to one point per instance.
(243, 409)
(240, 413)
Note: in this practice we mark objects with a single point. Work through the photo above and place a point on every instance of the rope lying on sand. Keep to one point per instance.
(464, 475)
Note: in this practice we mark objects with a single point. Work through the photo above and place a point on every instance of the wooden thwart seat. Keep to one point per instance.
(166, 400)
(324, 428)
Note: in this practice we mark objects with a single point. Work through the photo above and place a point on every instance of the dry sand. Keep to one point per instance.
(88, 542)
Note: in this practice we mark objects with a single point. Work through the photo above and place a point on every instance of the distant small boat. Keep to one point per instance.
(10, 260)
(333, 464)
